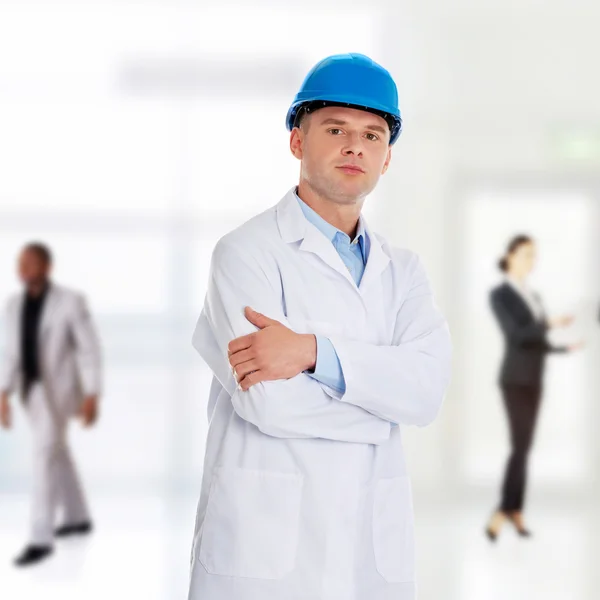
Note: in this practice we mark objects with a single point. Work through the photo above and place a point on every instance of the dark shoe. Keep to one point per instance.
(74, 529)
(32, 555)
(522, 531)
(492, 535)
(490, 532)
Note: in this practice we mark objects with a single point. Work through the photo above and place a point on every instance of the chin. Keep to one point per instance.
(348, 184)
(345, 194)
(355, 191)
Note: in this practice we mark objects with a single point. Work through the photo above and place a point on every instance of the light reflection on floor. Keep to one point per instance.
(141, 550)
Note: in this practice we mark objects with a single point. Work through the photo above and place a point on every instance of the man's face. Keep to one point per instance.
(33, 269)
(343, 151)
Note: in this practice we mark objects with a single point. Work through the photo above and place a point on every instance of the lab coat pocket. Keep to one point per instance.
(393, 530)
(251, 524)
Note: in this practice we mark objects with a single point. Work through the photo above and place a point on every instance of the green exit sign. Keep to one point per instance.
(582, 146)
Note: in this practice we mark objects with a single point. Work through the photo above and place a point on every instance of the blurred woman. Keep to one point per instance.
(521, 317)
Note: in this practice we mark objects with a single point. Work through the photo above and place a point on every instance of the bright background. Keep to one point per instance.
(134, 134)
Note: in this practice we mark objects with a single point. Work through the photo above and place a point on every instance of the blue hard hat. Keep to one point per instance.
(352, 80)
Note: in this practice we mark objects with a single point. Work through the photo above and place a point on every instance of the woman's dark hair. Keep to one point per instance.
(513, 246)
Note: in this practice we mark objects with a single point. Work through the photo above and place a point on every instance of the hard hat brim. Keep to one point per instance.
(393, 118)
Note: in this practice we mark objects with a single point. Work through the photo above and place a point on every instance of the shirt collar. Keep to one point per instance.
(330, 231)
(517, 285)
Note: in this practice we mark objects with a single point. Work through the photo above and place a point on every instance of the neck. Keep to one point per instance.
(35, 289)
(343, 216)
(518, 277)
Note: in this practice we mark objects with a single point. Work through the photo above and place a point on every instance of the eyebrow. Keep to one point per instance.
(332, 121)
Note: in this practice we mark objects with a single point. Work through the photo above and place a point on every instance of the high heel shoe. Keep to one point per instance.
(521, 531)
(491, 534)
(492, 529)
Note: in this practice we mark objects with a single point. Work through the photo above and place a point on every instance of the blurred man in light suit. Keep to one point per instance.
(53, 359)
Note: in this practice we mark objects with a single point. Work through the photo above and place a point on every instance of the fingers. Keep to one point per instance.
(241, 357)
(88, 412)
(89, 419)
(255, 318)
(258, 319)
(251, 313)
(244, 369)
(239, 344)
(252, 379)
(562, 321)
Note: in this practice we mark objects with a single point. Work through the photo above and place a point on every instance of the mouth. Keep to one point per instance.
(351, 169)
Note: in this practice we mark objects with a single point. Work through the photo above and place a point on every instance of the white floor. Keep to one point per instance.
(141, 550)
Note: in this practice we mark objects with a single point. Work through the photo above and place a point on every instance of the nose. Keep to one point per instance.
(353, 146)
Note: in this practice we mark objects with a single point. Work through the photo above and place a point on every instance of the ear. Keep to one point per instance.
(296, 140)
(388, 158)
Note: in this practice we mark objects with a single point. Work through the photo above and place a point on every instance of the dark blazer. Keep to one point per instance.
(525, 337)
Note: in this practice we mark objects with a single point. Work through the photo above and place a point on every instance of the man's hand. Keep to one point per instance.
(5, 416)
(274, 352)
(89, 411)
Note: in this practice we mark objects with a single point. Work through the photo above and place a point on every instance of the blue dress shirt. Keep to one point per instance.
(354, 254)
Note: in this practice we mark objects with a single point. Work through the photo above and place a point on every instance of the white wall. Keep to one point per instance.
(117, 124)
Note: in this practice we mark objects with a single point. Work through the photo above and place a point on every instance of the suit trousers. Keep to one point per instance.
(522, 406)
(55, 481)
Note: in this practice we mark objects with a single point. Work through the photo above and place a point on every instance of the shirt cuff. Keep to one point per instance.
(328, 369)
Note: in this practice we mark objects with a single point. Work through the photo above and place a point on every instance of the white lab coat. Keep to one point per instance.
(70, 366)
(305, 494)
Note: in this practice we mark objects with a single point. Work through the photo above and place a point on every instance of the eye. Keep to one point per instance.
(372, 137)
(334, 131)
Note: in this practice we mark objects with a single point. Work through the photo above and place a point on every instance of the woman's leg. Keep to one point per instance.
(522, 404)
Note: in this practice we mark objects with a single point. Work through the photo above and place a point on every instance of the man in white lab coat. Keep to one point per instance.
(53, 359)
(305, 493)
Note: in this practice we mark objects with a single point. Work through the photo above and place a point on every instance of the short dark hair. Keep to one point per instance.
(513, 246)
(41, 250)
(301, 119)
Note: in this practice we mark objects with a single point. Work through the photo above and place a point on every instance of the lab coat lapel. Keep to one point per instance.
(315, 242)
(294, 227)
(377, 262)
